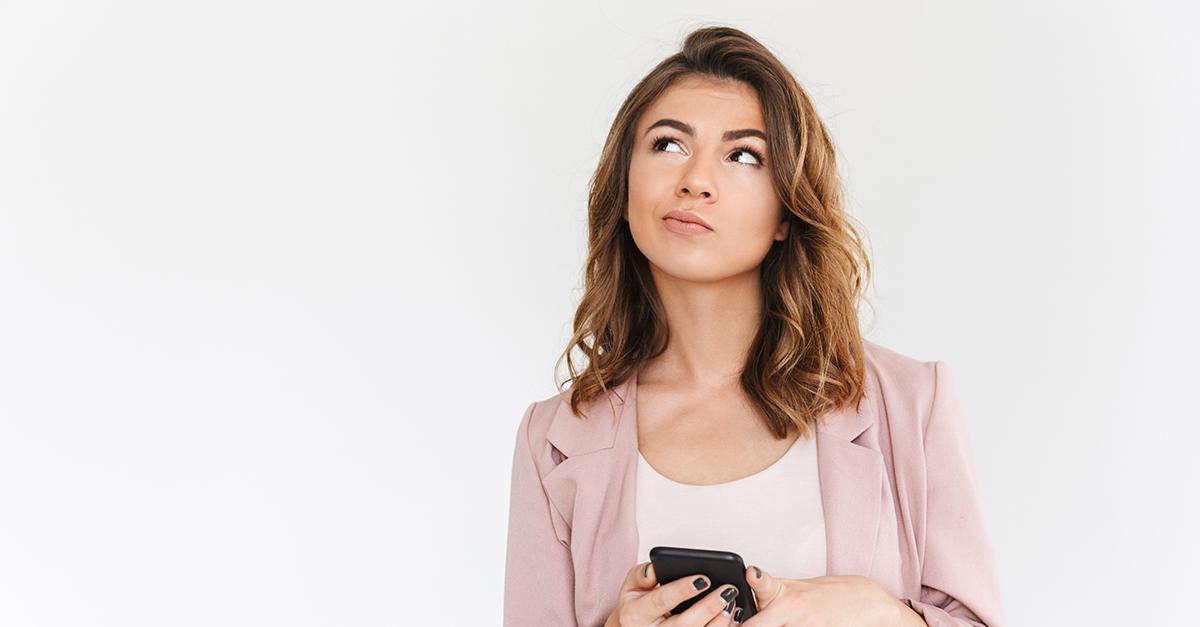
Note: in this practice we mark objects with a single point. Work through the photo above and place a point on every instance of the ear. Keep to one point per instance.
(782, 231)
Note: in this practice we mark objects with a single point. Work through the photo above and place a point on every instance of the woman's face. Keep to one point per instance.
(683, 160)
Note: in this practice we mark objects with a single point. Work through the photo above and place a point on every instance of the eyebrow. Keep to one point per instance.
(686, 128)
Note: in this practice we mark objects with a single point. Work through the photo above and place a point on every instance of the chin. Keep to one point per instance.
(692, 272)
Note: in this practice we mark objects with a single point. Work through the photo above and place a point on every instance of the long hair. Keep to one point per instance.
(808, 355)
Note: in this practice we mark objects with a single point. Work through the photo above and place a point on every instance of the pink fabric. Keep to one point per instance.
(783, 534)
(897, 483)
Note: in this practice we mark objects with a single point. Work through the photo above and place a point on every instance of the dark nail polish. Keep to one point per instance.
(646, 570)
(729, 593)
(737, 614)
(729, 606)
(700, 583)
(757, 573)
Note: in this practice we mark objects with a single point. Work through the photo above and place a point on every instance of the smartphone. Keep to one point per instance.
(721, 568)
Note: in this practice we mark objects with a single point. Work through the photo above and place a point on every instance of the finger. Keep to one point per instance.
(666, 596)
(769, 617)
(725, 618)
(649, 577)
(765, 587)
(710, 608)
(640, 577)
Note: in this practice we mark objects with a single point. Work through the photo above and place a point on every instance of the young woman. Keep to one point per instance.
(729, 401)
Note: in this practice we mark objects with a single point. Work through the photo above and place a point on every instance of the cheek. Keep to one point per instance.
(637, 187)
(761, 210)
(645, 186)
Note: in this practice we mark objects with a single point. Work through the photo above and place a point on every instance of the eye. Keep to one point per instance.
(667, 139)
(752, 152)
(664, 140)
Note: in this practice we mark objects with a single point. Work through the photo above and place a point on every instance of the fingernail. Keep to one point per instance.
(729, 607)
(646, 570)
(700, 583)
(757, 573)
(729, 593)
(737, 615)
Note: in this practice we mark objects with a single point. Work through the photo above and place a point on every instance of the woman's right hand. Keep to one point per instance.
(640, 603)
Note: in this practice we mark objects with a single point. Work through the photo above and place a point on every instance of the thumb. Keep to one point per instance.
(649, 576)
(765, 587)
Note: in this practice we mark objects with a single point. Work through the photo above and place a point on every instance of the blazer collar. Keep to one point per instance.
(597, 429)
(851, 473)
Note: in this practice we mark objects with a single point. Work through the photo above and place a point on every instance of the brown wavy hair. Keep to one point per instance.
(808, 355)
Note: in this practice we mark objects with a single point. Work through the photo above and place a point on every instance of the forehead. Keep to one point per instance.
(712, 106)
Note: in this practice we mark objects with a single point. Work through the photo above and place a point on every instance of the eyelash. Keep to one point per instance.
(761, 162)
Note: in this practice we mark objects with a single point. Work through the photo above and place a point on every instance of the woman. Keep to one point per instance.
(729, 400)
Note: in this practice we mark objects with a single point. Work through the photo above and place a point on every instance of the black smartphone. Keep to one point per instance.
(721, 568)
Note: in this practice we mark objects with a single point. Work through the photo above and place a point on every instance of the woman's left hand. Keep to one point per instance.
(840, 601)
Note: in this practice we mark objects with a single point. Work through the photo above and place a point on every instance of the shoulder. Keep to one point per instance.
(895, 370)
(903, 386)
(537, 427)
(539, 414)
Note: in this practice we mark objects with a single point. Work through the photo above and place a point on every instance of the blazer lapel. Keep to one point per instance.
(593, 490)
(853, 484)
(593, 493)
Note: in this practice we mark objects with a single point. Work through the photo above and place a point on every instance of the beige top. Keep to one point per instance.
(773, 518)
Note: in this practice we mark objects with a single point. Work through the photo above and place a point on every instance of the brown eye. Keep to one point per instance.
(753, 153)
(662, 139)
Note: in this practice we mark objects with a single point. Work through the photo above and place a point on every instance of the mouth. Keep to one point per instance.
(685, 221)
(685, 228)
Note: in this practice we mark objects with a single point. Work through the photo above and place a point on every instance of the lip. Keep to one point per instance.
(674, 217)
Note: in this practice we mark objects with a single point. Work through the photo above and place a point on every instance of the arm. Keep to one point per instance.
(959, 583)
(538, 574)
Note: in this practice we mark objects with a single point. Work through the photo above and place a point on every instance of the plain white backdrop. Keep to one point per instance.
(277, 280)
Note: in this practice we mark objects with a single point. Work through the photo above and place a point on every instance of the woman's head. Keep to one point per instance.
(773, 197)
(700, 149)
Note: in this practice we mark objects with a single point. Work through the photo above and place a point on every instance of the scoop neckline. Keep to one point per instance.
(747, 478)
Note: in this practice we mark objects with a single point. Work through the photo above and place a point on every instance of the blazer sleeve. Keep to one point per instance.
(959, 582)
(538, 574)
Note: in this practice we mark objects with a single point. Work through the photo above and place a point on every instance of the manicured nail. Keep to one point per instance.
(700, 583)
(646, 570)
(757, 573)
(737, 615)
(728, 607)
(729, 593)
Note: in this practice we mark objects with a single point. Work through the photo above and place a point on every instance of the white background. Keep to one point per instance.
(277, 281)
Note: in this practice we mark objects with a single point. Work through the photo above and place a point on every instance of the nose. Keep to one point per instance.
(697, 180)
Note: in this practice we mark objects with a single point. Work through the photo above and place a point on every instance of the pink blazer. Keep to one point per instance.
(898, 488)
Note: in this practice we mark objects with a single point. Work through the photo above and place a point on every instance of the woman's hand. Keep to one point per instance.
(842, 601)
(641, 604)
